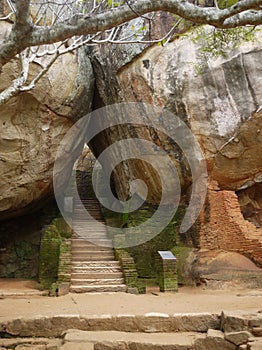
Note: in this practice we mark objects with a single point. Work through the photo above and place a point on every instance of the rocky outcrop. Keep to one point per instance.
(32, 126)
(217, 109)
(220, 100)
(219, 103)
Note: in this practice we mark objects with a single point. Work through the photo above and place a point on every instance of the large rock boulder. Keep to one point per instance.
(219, 102)
(33, 124)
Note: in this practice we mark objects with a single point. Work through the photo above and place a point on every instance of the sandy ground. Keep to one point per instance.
(185, 301)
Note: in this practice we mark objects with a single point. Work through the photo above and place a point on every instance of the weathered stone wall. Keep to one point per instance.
(224, 227)
(20, 243)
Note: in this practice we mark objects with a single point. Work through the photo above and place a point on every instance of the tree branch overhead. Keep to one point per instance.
(73, 19)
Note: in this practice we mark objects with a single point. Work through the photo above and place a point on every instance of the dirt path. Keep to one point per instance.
(185, 301)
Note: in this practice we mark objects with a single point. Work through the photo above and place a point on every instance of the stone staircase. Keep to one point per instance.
(94, 268)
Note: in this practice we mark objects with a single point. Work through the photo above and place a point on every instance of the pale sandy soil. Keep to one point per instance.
(185, 301)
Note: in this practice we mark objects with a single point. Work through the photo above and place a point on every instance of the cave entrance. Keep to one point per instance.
(84, 167)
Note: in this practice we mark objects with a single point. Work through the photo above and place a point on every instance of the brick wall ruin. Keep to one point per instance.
(224, 227)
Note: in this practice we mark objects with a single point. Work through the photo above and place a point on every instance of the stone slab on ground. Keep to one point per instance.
(77, 346)
(21, 293)
(54, 326)
(238, 338)
(233, 322)
(257, 331)
(15, 342)
(135, 340)
(30, 347)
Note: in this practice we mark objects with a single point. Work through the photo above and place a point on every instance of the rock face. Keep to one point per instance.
(32, 126)
(250, 200)
(219, 104)
(220, 101)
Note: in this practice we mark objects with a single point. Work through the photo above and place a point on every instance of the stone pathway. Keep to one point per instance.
(94, 268)
(199, 331)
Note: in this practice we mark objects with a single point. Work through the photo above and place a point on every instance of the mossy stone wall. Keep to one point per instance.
(20, 243)
(55, 254)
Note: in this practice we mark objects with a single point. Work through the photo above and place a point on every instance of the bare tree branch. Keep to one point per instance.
(39, 23)
(27, 34)
(17, 84)
(20, 84)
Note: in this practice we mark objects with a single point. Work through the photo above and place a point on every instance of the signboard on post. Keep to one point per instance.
(167, 271)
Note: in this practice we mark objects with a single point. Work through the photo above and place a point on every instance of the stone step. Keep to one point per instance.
(103, 242)
(88, 263)
(87, 202)
(90, 255)
(85, 223)
(91, 232)
(90, 208)
(113, 340)
(87, 235)
(96, 281)
(84, 242)
(96, 275)
(97, 270)
(84, 217)
(92, 222)
(79, 258)
(98, 288)
(87, 226)
(96, 252)
(77, 238)
(89, 247)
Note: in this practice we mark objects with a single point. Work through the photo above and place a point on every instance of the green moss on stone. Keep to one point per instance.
(49, 256)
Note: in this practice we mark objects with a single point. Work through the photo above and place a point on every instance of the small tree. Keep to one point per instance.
(52, 28)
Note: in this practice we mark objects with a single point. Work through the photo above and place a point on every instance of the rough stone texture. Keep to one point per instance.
(214, 343)
(217, 110)
(149, 332)
(20, 243)
(250, 201)
(33, 125)
(236, 323)
(238, 338)
(77, 346)
(107, 60)
(257, 331)
(221, 106)
(129, 340)
(30, 343)
(221, 270)
(55, 326)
